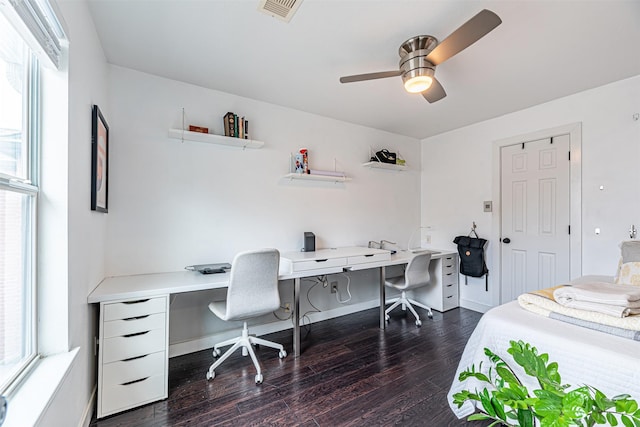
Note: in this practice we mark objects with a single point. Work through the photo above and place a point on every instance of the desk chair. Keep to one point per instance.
(252, 292)
(415, 275)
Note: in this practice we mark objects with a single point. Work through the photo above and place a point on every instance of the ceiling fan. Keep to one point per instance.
(420, 55)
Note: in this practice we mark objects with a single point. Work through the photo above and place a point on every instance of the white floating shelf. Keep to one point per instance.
(310, 177)
(210, 138)
(381, 165)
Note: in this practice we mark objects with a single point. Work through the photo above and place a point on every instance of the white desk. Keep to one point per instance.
(135, 309)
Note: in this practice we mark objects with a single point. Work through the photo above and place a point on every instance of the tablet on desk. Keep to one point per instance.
(221, 267)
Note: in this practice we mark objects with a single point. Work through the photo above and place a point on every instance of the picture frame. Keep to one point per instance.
(99, 162)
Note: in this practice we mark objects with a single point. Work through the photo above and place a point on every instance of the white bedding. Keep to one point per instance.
(584, 356)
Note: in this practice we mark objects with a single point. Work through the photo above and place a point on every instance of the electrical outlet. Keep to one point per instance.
(334, 287)
(427, 239)
(287, 307)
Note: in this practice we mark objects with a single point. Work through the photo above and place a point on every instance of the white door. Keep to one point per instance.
(535, 240)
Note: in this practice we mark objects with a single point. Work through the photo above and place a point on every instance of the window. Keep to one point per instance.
(18, 199)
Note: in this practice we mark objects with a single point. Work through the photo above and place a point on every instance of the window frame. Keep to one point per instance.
(29, 186)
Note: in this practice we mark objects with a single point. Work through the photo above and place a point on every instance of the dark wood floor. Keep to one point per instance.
(350, 373)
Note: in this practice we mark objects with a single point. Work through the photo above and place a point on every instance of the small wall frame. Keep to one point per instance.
(99, 162)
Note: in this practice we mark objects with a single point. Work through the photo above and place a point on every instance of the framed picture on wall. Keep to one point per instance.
(99, 162)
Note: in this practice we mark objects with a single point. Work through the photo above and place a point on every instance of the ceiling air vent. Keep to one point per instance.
(281, 9)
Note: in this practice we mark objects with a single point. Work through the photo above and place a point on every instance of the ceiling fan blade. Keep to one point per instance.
(466, 35)
(435, 92)
(370, 76)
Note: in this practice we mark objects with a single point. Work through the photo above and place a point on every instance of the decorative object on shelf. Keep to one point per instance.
(305, 160)
(385, 156)
(299, 169)
(99, 162)
(302, 161)
(200, 129)
(384, 159)
(236, 127)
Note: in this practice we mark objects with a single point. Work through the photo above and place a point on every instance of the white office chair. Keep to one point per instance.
(416, 275)
(252, 292)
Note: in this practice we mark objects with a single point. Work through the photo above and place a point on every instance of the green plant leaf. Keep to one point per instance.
(626, 421)
(478, 416)
(525, 418)
(485, 399)
(611, 419)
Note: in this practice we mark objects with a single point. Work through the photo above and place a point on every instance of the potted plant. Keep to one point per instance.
(506, 401)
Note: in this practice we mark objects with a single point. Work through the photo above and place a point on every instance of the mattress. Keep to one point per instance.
(584, 356)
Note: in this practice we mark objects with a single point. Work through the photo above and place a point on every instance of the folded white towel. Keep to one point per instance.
(626, 296)
(610, 310)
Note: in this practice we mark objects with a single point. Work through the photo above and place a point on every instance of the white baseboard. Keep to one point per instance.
(88, 411)
(471, 305)
(204, 343)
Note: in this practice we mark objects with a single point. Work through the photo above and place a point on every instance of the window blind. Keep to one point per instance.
(36, 21)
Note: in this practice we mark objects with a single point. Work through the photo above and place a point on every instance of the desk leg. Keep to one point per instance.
(296, 317)
(383, 322)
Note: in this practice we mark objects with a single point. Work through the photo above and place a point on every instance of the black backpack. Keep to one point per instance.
(471, 252)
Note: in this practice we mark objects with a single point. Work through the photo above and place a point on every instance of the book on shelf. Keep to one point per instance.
(199, 129)
(236, 127)
(229, 124)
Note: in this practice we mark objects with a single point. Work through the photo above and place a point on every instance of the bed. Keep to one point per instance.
(608, 362)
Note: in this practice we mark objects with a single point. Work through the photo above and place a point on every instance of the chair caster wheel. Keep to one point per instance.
(216, 352)
(258, 379)
(211, 375)
(282, 354)
(386, 317)
(430, 315)
(418, 322)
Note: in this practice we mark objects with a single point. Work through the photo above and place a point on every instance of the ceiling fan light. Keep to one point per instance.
(418, 84)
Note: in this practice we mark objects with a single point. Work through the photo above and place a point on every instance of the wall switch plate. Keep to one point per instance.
(487, 205)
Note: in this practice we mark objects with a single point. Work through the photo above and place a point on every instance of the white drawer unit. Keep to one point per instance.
(133, 354)
(442, 294)
(318, 264)
(363, 259)
(449, 282)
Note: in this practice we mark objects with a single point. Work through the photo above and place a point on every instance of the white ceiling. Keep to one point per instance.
(542, 51)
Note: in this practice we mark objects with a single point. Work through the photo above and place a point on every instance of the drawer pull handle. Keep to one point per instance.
(136, 318)
(134, 358)
(448, 286)
(135, 381)
(368, 255)
(322, 260)
(449, 274)
(136, 334)
(450, 296)
(138, 301)
(449, 266)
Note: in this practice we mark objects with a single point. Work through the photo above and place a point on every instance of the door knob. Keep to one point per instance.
(506, 240)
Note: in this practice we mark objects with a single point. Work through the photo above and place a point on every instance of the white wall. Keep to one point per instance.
(173, 204)
(82, 247)
(458, 168)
